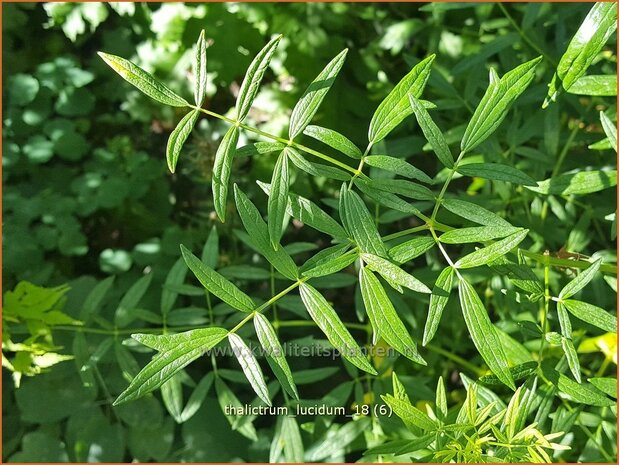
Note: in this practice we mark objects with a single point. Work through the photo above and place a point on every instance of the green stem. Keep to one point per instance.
(441, 194)
(454, 358)
(566, 263)
(278, 139)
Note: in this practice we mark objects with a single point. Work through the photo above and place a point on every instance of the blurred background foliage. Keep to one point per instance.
(86, 194)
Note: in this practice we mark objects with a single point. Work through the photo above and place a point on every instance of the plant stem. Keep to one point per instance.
(455, 358)
(441, 194)
(278, 139)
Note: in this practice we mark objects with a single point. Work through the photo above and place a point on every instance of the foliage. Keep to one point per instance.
(356, 255)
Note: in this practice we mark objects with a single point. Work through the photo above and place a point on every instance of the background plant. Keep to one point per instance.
(545, 214)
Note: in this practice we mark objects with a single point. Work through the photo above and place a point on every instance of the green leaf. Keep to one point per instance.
(580, 281)
(278, 198)
(253, 76)
(394, 273)
(274, 353)
(199, 70)
(307, 106)
(175, 352)
(259, 235)
(324, 256)
(222, 168)
(591, 314)
(178, 137)
(496, 102)
(411, 249)
(607, 385)
(384, 318)
(396, 106)
(217, 284)
(197, 397)
(402, 187)
(595, 30)
(210, 251)
(259, 148)
(398, 166)
(492, 252)
(521, 276)
(432, 133)
(361, 223)
(293, 443)
(610, 129)
(409, 413)
(497, 172)
(172, 396)
(94, 299)
(580, 182)
(125, 311)
(226, 398)
(250, 366)
(307, 212)
(145, 82)
(399, 392)
(330, 266)
(441, 398)
(483, 333)
(476, 234)
(474, 212)
(583, 393)
(572, 357)
(329, 322)
(316, 169)
(521, 371)
(175, 277)
(334, 140)
(595, 85)
(389, 200)
(438, 301)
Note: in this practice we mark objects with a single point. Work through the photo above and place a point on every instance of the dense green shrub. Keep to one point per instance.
(468, 195)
